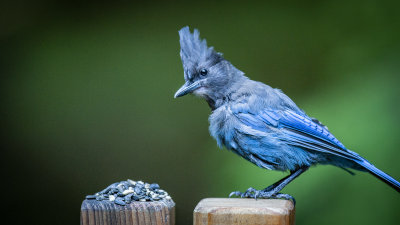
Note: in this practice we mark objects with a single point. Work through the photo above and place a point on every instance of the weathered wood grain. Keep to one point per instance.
(221, 211)
(137, 213)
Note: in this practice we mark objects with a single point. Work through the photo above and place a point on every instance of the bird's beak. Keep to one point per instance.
(187, 88)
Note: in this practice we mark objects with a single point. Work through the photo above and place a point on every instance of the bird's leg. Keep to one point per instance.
(279, 185)
(273, 190)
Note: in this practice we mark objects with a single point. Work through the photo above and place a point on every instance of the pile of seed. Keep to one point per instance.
(125, 192)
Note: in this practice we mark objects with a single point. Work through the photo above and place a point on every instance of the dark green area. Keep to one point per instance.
(87, 100)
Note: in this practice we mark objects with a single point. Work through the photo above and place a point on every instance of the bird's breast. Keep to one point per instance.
(222, 127)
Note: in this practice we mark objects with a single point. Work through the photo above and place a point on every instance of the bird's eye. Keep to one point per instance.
(203, 72)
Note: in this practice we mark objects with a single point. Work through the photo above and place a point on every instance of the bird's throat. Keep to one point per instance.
(211, 103)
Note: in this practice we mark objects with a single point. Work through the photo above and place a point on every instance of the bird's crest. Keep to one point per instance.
(195, 50)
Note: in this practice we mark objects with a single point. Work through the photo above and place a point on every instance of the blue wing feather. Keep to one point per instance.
(304, 124)
(299, 130)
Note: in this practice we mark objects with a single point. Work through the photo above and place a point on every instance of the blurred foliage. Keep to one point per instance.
(87, 100)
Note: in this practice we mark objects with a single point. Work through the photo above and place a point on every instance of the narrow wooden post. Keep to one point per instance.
(221, 211)
(95, 212)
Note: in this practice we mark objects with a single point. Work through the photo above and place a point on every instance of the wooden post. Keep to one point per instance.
(221, 211)
(136, 213)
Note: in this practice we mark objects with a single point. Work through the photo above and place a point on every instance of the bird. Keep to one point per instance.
(261, 123)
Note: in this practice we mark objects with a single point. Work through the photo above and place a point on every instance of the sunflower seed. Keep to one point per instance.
(119, 201)
(125, 192)
(154, 186)
(132, 182)
(91, 196)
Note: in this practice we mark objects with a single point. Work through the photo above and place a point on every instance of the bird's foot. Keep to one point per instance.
(249, 193)
(254, 193)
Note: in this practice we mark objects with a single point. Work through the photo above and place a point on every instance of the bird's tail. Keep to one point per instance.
(380, 174)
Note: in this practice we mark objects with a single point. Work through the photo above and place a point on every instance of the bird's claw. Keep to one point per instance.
(249, 193)
(236, 193)
(285, 196)
(253, 193)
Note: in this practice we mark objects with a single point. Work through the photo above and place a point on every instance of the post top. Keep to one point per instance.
(245, 205)
(108, 205)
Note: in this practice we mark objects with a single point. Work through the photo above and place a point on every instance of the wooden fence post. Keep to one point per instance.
(224, 211)
(95, 212)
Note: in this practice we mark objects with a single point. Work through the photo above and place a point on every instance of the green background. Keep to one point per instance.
(87, 100)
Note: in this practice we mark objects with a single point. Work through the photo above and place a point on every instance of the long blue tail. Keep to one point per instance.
(380, 174)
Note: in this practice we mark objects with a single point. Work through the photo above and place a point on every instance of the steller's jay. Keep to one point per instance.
(260, 123)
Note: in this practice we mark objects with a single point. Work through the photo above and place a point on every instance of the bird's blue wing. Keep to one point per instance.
(298, 130)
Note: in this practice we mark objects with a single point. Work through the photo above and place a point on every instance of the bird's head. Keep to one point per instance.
(207, 74)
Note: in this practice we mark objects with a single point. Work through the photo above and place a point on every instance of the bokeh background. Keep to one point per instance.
(87, 100)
